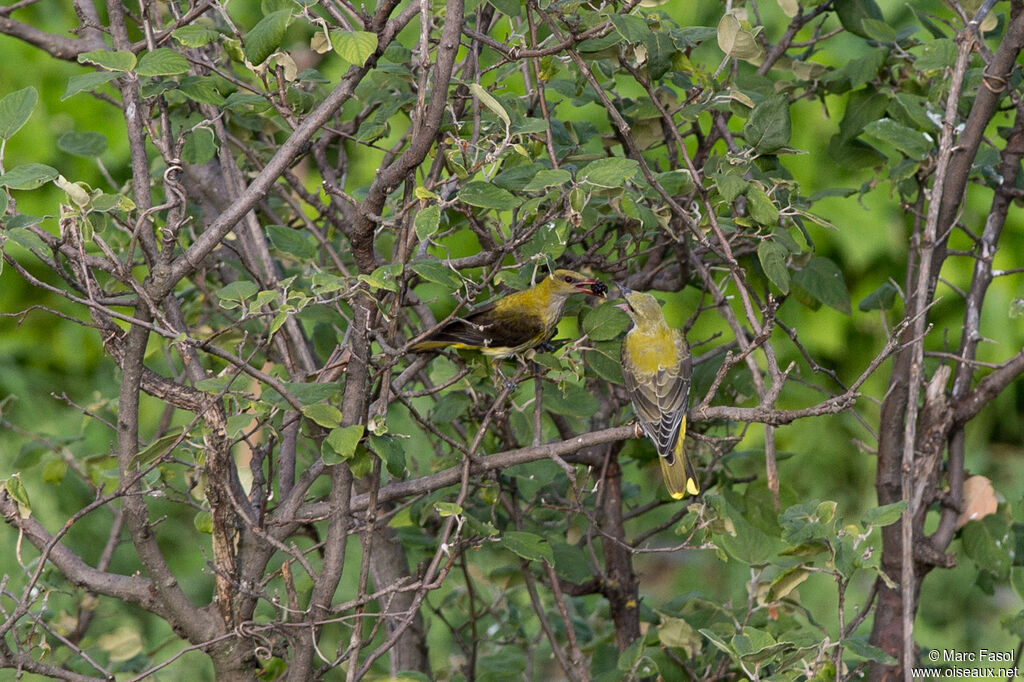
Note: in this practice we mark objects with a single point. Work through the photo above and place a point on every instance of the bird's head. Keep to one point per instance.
(642, 307)
(567, 282)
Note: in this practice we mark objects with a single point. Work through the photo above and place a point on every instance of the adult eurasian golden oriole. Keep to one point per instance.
(514, 323)
(656, 369)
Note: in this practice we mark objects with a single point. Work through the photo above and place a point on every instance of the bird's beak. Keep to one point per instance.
(623, 292)
(592, 287)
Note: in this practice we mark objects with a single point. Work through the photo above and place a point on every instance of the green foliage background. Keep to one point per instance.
(47, 364)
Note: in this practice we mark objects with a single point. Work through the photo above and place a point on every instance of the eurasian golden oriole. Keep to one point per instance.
(514, 323)
(656, 369)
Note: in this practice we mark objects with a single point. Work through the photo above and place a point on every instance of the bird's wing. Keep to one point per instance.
(661, 399)
(488, 327)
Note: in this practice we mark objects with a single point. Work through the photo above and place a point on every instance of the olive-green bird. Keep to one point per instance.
(514, 323)
(656, 369)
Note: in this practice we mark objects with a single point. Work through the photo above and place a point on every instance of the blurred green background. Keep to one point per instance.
(47, 363)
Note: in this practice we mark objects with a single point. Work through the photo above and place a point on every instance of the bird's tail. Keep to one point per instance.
(680, 478)
(424, 346)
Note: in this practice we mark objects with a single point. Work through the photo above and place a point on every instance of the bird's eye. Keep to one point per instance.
(568, 279)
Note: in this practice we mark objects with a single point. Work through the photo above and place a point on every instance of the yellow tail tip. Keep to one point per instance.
(679, 477)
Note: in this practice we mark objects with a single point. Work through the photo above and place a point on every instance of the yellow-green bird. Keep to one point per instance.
(656, 369)
(514, 323)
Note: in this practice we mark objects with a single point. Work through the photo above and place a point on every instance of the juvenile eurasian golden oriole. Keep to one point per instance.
(514, 323)
(656, 369)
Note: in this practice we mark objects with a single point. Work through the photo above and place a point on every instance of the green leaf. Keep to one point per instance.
(611, 172)
(549, 241)
(488, 100)
(427, 222)
(1017, 580)
(450, 407)
(863, 107)
(293, 242)
(112, 61)
(158, 448)
(194, 35)
(676, 182)
(203, 522)
(527, 545)
(858, 72)
(86, 143)
(761, 207)
(859, 646)
(17, 491)
(87, 82)
(884, 515)
(15, 110)
(936, 55)
(737, 42)
(631, 27)
(754, 645)
(25, 238)
(162, 61)
(786, 583)
(486, 195)
(605, 322)
(547, 178)
(28, 176)
(76, 191)
(772, 256)
(266, 36)
(743, 541)
(882, 298)
(246, 102)
(435, 271)
(507, 7)
(912, 143)
(389, 448)
(823, 281)
(577, 402)
(852, 14)
(236, 292)
(447, 508)
(731, 186)
(307, 393)
(988, 543)
(912, 110)
(571, 562)
(630, 657)
(678, 634)
(1014, 624)
(202, 89)
(604, 361)
(384, 277)
(200, 146)
(355, 47)
(768, 129)
(661, 51)
(879, 31)
(327, 416)
(340, 444)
